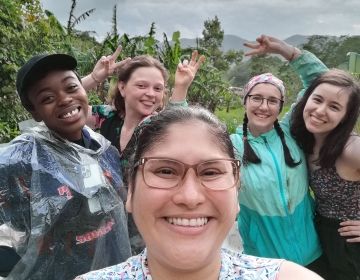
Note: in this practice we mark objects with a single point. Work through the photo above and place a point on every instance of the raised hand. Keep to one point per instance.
(350, 229)
(267, 44)
(186, 71)
(107, 65)
(185, 74)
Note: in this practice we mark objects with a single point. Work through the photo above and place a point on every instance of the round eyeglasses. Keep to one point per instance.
(258, 100)
(165, 173)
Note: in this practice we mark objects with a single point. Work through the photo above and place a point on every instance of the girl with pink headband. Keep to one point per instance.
(276, 216)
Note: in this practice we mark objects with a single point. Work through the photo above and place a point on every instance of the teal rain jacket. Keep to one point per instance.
(276, 209)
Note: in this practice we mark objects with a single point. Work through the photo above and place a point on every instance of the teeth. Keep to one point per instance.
(148, 103)
(261, 116)
(196, 222)
(70, 114)
(317, 120)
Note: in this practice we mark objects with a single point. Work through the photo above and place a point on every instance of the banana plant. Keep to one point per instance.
(74, 20)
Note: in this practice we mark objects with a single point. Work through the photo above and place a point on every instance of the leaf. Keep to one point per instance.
(82, 17)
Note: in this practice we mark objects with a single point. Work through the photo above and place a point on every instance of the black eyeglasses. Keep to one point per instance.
(258, 100)
(165, 173)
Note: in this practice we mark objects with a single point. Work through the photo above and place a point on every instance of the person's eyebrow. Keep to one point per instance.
(317, 95)
(336, 103)
(332, 102)
(67, 77)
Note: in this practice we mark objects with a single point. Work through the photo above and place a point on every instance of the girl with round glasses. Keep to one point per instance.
(276, 218)
(183, 197)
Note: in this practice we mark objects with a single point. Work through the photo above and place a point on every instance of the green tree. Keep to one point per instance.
(209, 88)
(114, 21)
(233, 57)
(333, 50)
(23, 25)
(213, 37)
(239, 74)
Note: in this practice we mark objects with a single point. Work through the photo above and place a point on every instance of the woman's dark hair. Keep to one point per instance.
(335, 141)
(155, 130)
(124, 75)
(250, 156)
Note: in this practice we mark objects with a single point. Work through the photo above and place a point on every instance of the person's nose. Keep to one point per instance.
(321, 109)
(264, 104)
(151, 92)
(64, 98)
(190, 193)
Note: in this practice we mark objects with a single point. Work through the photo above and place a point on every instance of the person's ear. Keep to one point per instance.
(128, 204)
(121, 87)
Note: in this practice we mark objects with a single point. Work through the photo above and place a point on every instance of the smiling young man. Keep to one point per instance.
(60, 182)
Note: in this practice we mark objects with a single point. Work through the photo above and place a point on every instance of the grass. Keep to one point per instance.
(233, 118)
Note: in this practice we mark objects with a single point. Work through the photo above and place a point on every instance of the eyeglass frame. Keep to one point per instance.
(267, 100)
(236, 162)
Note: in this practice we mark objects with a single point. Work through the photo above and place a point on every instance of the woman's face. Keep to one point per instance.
(144, 91)
(262, 115)
(184, 227)
(325, 109)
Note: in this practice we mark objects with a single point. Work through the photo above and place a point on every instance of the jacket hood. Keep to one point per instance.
(43, 133)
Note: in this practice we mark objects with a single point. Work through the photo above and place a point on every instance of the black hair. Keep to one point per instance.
(336, 140)
(155, 130)
(250, 156)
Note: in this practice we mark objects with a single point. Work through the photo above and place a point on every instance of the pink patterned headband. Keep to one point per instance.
(264, 78)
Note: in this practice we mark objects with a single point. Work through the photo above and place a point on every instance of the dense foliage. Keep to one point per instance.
(26, 29)
(333, 51)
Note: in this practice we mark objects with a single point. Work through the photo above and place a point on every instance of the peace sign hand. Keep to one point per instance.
(186, 71)
(107, 66)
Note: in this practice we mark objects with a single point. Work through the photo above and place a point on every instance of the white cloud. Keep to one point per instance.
(245, 18)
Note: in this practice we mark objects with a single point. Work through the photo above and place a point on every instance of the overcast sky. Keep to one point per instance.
(247, 19)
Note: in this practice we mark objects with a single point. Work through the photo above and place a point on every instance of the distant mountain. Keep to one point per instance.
(237, 43)
(233, 42)
(297, 40)
(188, 43)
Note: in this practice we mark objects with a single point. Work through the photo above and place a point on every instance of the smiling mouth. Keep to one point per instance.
(195, 222)
(148, 103)
(316, 120)
(261, 116)
(70, 114)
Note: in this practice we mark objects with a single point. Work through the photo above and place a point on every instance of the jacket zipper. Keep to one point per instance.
(283, 199)
(278, 173)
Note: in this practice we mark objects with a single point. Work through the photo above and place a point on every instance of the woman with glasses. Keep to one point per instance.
(276, 217)
(183, 197)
